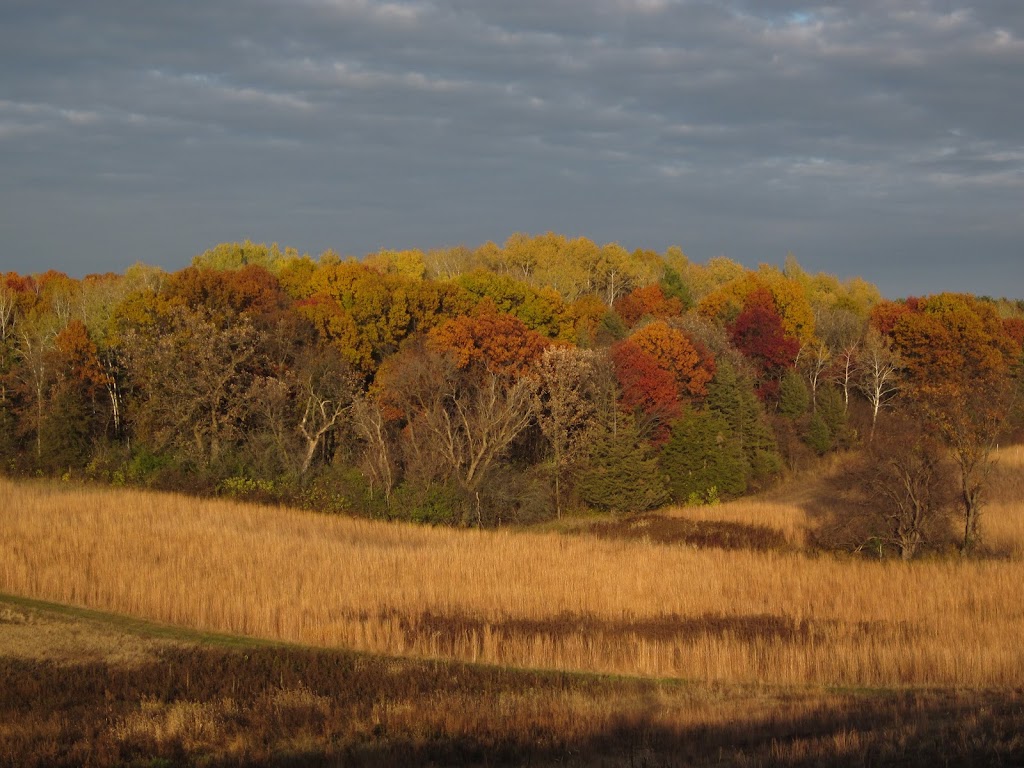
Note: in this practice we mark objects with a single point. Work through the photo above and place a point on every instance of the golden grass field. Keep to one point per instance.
(533, 599)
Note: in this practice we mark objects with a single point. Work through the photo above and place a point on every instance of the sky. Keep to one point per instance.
(882, 139)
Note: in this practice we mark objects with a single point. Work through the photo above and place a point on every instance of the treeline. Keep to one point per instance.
(490, 385)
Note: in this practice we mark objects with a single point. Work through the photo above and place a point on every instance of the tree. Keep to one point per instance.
(647, 301)
(564, 407)
(620, 472)
(541, 310)
(878, 370)
(647, 390)
(37, 331)
(794, 399)
(463, 419)
(757, 332)
(373, 426)
(703, 459)
(841, 330)
(689, 362)
(959, 364)
(902, 489)
(816, 361)
(732, 396)
(501, 343)
(73, 417)
(325, 392)
(192, 375)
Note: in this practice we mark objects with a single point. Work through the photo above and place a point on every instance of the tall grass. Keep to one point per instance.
(528, 599)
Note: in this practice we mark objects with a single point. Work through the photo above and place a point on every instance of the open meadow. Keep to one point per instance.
(728, 601)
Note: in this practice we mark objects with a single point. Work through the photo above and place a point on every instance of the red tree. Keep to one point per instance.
(757, 332)
(647, 388)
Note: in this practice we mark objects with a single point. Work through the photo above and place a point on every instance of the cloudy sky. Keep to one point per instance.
(881, 138)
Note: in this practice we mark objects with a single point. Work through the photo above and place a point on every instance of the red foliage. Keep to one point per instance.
(646, 386)
(78, 358)
(758, 333)
(690, 363)
(885, 315)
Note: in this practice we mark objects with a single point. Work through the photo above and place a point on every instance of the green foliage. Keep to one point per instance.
(828, 428)
(146, 464)
(610, 329)
(703, 456)
(819, 437)
(620, 471)
(673, 286)
(433, 504)
(794, 397)
(732, 397)
(242, 487)
(832, 410)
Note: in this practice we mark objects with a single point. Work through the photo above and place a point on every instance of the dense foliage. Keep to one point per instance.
(480, 386)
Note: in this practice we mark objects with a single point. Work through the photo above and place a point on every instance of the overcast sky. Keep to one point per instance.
(876, 138)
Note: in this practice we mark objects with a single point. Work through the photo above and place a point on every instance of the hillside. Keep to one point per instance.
(778, 655)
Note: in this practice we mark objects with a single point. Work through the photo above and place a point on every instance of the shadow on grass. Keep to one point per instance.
(284, 707)
(720, 534)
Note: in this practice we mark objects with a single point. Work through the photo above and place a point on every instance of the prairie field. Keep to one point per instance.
(774, 613)
(82, 688)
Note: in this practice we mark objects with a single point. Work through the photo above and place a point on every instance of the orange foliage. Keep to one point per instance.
(885, 315)
(78, 356)
(1014, 328)
(953, 345)
(691, 365)
(647, 301)
(500, 342)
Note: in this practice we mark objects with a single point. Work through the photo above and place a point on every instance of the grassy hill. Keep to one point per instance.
(713, 635)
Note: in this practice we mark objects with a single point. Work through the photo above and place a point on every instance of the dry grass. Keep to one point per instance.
(291, 706)
(1003, 520)
(528, 599)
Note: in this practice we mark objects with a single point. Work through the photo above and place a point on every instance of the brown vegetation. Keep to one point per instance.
(180, 702)
(542, 600)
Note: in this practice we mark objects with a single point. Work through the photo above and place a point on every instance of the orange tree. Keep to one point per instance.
(959, 363)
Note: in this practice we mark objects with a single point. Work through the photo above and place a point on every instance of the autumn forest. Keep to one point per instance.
(512, 384)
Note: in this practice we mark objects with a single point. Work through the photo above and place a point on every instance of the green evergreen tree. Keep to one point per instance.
(832, 409)
(794, 397)
(673, 286)
(703, 458)
(819, 437)
(620, 471)
(732, 397)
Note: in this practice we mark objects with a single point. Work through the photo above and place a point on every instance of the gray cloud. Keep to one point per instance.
(883, 139)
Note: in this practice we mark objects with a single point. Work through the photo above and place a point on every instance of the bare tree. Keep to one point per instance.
(564, 406)
(970, 425)
(879, 371)
(193, 377)
(378, 457)
(37, 331)
(457, 422)
(326, 390)
(474, 422)
(842, 330)
(8, 316)
(898, 494)
(815, 360)
(910, 490)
